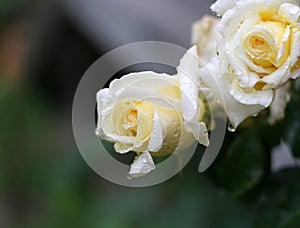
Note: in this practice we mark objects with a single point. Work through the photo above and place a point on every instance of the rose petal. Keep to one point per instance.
(189, 82)
(199, 131)
(253, 97)
(220, 84)
(142, 165)
(221, 6)
(157, 137)
(289, 12)
(147, 79)
(188, 77)
(283, 74)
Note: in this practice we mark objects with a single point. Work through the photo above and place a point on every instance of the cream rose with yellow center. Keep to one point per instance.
(152, 114)
(258, 52)
(260, 43)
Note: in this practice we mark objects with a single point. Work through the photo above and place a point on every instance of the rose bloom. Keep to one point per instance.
(152, 114)
(213, 82)
(258, 52)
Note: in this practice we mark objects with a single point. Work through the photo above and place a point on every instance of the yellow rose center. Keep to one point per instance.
(136, 119)
(133, 119)
(267, 45)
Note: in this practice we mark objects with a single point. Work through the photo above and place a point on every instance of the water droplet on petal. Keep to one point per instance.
(97, 132)
(255, 114)
(231, 128)
(239, 72)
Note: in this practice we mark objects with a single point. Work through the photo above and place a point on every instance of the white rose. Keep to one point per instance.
(151, 114)
(259, 51)
(215, 87)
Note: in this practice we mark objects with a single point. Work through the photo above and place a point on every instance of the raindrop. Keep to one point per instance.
(144, 160)
(231, 128)
(97, 132)
(239, 72)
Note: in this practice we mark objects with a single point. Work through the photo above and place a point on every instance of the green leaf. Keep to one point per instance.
(291, 131)
(291, 222)
(279, 204)
(292, 136)
(243, 166)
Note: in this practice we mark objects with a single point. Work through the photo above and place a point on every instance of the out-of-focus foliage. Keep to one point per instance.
(53, 188)
(23, 120)
(292, 121)
(243, 165)
(279, 205)
(257, 137)
(8, 8)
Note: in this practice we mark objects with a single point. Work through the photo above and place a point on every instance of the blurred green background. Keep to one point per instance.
(45, 47)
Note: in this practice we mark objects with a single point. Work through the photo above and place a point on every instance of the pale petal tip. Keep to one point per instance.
(142, 165)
